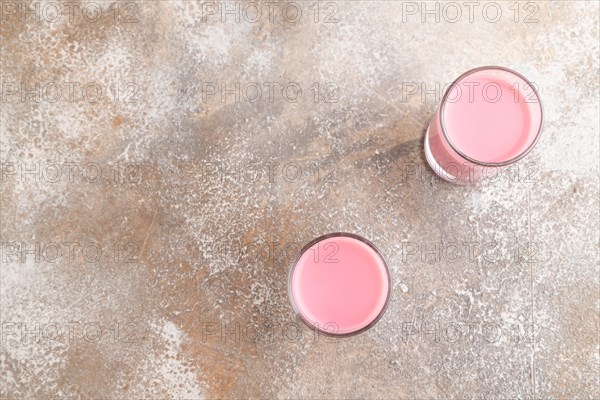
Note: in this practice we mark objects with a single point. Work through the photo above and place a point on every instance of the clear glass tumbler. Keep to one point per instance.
(489, 118)
(340, 284)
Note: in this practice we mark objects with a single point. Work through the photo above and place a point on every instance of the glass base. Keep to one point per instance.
(437, 168)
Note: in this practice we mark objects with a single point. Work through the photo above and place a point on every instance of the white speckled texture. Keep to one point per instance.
(188, 298)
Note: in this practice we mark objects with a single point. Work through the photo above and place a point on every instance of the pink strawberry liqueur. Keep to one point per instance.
(490, 117)
(340, 284)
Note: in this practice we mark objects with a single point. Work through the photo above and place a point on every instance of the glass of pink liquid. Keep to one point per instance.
(339, 284)
(489, 118)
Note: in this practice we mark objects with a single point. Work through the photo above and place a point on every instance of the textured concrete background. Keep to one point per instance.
(166, 275)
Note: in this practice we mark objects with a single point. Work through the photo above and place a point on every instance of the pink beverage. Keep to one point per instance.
(339, 285)
(490, 117)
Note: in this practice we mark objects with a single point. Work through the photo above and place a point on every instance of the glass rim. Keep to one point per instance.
(487, 163)
(310, 324)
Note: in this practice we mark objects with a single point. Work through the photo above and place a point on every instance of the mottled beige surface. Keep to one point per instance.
(194, 303)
